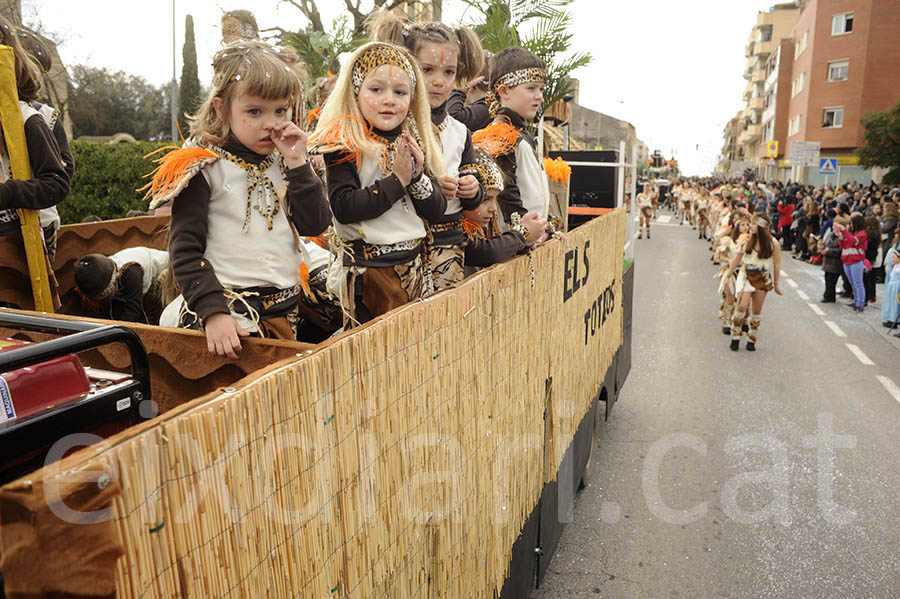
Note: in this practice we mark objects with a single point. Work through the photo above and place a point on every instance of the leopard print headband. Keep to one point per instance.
(512, 79)
(379, 55)
(486, 171)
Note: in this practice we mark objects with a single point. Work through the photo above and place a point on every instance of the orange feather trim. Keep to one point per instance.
(313, 115)
(497, 139)
(319, 240)
(557, 169)
(172, 168)
(304, 279)
(472, 229)
(330, 139)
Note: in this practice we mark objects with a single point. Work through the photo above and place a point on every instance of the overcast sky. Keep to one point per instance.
(673, 69)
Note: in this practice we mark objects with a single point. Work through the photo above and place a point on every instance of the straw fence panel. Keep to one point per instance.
(400, 460)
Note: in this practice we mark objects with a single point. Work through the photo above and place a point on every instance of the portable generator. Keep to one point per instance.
(46, 393)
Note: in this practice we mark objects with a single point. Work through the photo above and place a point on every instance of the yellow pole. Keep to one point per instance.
(16, 148)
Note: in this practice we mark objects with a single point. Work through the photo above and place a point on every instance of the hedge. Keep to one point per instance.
(106, 179)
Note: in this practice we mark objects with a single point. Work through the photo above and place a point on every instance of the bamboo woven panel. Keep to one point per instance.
(400, 461)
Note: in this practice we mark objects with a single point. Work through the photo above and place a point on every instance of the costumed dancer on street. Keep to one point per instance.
(702, 213)
(233, 239)
(128, 284)
(383, 160)
(759, 261)
(645, 204)
(517, 91)
(485, 244)
(445, 56)
(736, 235)
(49, 182)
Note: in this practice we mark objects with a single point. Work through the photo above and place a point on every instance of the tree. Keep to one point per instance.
(882, 142)
(319, 50)
(189, 94)
(311, 11)
(104, 103)
(549, 37)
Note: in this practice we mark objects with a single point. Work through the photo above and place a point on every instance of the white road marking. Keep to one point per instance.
(835, 329)
(792, 283)
(816, 309)
(783, 274)
(802, 295)
(860, 355)
(890, 386)
(664, 218)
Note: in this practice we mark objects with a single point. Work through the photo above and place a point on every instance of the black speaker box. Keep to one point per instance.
(590, 186)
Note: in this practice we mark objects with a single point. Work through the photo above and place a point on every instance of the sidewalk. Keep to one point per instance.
(871, 317)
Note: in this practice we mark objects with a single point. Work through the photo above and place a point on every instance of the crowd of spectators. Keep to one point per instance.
(803, 219)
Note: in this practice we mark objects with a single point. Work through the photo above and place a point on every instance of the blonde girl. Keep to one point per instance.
(383, 160)
(737, 231)
(446, 56)
(233, 239)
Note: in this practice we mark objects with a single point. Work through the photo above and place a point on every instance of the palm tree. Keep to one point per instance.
(498, 27)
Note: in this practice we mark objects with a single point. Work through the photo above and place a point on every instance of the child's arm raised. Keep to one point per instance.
(49, 183)
(350, 201)
(474, 117)
(306, 201)
(470, 192)
(509, 200)
(428, 199)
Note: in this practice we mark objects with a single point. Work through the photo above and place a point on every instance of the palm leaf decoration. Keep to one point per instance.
(498, 23)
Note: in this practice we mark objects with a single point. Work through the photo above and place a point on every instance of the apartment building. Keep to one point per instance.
(846, 64)
(731, 159)
(776, 106)
(771, 26)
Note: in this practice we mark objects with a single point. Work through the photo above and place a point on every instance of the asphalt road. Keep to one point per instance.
(738, 474)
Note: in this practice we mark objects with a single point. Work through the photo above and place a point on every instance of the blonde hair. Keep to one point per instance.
(342, 126)
(252, 68)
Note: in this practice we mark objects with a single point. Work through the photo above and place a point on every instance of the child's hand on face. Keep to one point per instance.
(468, 186)
(291, 142)
(535, 226)
(449, 187)
(223, 335)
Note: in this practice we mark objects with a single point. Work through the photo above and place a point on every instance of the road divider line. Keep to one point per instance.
(891, 387)
(792, 283)
(860, 355)
(816, 309)
(802, 295)
(835, 329)
(664, 218)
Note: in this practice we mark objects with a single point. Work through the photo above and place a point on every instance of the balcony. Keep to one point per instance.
(763, 48)
(768, 114)
(756, 103)
(759, 76)
(753, 133)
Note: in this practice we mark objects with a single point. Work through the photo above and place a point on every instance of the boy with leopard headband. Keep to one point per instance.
(517, 91)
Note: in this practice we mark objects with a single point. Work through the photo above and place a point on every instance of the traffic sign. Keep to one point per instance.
(804, 152)
(772, 162)
(828, 166)
(772, 149)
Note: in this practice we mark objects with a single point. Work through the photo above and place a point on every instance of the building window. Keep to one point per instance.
(833, 118)
(838, 70)
(765, 34)
(794, 126)
(842, 23)
(797, 84)
(802, 43)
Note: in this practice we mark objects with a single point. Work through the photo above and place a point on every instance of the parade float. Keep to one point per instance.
(432, 452)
